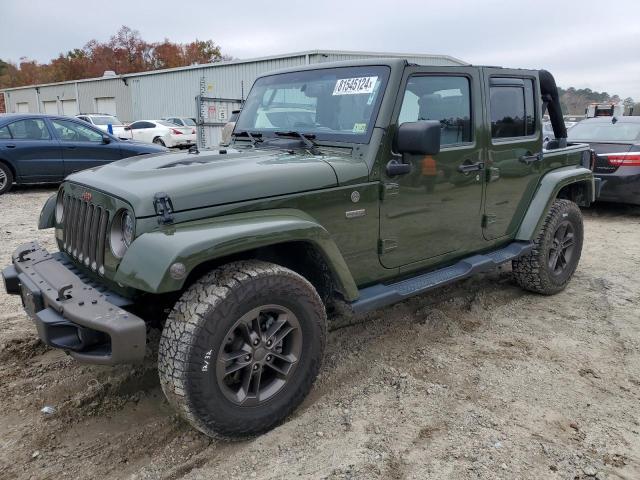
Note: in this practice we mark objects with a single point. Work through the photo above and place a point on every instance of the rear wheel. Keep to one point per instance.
(556, 253)
(158, 141)
(6, 178)
(242, 347)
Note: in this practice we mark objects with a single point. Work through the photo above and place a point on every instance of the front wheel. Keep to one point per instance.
(556, 252)
(242, 348)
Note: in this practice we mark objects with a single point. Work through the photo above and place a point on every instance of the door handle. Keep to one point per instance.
(468, 167)
(530, 158)
(71, 147)
(10, 146)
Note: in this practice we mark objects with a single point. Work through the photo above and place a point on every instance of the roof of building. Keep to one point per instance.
(248, 60)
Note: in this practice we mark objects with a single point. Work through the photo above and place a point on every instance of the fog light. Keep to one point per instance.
(177, 271)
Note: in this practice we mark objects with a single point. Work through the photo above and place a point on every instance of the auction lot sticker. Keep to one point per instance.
(355, 86)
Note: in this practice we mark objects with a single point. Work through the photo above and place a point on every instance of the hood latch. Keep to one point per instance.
(164, 208)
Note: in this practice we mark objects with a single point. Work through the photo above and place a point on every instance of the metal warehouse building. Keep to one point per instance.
(207, 92)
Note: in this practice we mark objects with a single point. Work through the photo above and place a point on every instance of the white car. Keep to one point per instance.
(161, 132)
(181, 121)
(102, 121)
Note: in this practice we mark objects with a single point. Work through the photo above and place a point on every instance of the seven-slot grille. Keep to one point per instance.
(85, 232)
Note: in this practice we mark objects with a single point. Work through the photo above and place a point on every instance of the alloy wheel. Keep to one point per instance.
(562, 247)
(259, 355)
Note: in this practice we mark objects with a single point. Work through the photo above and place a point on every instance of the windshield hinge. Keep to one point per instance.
(164, 208)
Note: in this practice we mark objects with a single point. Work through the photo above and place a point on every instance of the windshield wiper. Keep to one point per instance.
(253, 137)
(306, 139)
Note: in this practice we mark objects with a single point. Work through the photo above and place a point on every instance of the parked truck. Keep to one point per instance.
(348, 186)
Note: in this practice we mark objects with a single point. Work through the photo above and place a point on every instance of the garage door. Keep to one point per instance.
(69, 107)
(50, 107)
(106, 105)
(22, 107)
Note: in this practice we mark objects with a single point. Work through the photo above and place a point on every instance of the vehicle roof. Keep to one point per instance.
(11, 117)
(622, 119)
(393, 62)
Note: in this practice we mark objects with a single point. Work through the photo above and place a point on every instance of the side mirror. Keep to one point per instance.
(420, 138)
(127, 127)
(106, 139)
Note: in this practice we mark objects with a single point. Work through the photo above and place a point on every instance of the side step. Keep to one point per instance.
(380, 295)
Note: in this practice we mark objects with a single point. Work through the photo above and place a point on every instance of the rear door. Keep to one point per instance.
(34, 152)
(514, 160)
(436, 209)
(83, 146)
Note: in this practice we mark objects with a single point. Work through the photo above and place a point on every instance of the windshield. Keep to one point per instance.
(106, 120)
(605, 132)
(166, 123)
(190, 122)
(332, 104)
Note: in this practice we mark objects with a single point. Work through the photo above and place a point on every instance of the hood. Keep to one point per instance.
(208, 179)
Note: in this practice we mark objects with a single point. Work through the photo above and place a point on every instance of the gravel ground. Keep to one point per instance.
(478, 380)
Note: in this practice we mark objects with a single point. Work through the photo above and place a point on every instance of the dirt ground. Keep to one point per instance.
(478, 380)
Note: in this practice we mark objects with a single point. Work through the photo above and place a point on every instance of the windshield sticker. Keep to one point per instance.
(355, 86)
(359, 127)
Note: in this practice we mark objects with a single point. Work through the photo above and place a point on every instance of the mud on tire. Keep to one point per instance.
(213, 320)
(556, 252)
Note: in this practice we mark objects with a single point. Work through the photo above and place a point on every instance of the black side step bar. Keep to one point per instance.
(380, 295)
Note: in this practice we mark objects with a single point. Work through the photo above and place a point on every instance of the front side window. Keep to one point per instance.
(445, 99)
(332, 104)
(74, 132)
(140, 125)
(31, 129)
(4, 133)
(512, 109)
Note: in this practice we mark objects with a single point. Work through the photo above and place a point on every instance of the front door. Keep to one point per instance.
(436, 209)
(514, 159)
(83, 146)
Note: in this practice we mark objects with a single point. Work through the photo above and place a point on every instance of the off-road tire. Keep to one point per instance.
(532, 271)
(197, 328)
(7, 176)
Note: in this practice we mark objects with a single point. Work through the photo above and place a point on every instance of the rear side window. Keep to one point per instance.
(30, 129)
(445, 99)
(4, 133)
(512, 108)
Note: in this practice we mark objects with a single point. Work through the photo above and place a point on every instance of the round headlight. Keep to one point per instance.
(122, 232)
(128, 228)
(60, 207)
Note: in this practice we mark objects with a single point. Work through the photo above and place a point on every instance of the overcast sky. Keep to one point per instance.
(584, 43)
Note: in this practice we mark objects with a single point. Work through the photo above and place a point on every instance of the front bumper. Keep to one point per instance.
(71, 312)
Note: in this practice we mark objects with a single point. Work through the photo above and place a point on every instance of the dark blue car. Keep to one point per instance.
(46, 148)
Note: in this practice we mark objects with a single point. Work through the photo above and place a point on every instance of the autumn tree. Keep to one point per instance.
(125, 52)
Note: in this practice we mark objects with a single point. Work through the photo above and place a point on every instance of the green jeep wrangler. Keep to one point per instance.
(353, 184)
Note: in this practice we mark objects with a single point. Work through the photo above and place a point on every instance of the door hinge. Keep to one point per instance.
(389, 190)
(163, 207)
(385, 245)
(488, 219)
